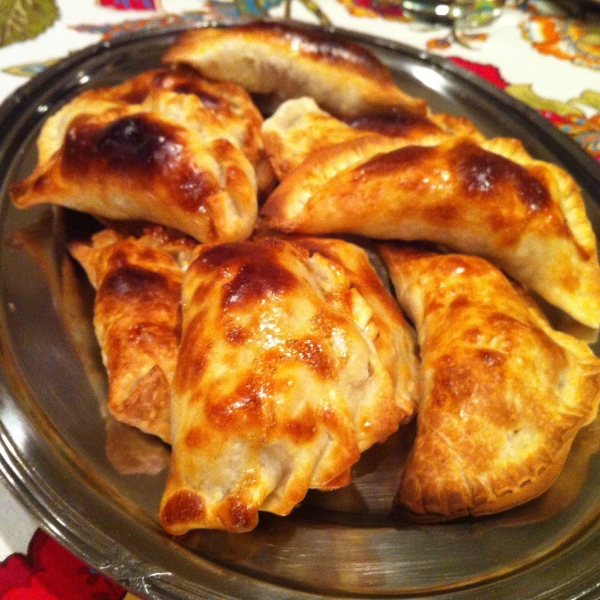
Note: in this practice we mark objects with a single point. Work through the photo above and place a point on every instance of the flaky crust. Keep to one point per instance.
(308, 393)
(382, 318)
(503, 394)
(168, 160)
(137, 321)
(485, 198)
(224, 102)
(288, 62)
(300, 127)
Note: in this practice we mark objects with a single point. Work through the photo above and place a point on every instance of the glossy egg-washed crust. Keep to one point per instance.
(487, 198)
(168, 159)
(299, 127)
(278, 386)
(502, 393)
(289, 61)
(289, 358)
(393, 338)
(229, 103)
(137, 320)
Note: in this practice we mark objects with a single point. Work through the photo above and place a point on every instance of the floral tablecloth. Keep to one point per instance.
(545, 54)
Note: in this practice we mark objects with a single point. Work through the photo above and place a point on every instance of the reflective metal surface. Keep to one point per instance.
(73, 468)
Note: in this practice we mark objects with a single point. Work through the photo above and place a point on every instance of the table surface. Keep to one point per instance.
(545, 54)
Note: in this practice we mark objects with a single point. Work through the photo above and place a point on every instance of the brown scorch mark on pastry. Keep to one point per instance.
(389, 162)
(324, 47)
(137, 146)
(396, 123)
(481, 172)
(258, 276)
(130, 281)
(244, 409)
(184, 506)
(132, 142)
(257, 280)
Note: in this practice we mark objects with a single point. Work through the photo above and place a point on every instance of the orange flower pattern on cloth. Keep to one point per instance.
(129, 4)
(564, 38)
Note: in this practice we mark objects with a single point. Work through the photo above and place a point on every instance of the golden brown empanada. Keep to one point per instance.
(288, 61)
(167, 160)
(502, 393)
(488, 198)
(299, 127)
(137, 320)
(278, 386)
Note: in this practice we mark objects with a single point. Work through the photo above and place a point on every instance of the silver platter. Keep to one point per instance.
(62, 456)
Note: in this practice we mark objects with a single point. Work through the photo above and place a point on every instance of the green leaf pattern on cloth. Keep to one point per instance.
(25, 19)
(525, 93)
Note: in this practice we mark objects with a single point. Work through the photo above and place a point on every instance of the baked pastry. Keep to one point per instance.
(299, 127)
(137, 320)
(229, 103)
(287, 61)
(219, 102)
(392, 336)
(502, 393)
(167, 160)
(308, 394)
(486, 198)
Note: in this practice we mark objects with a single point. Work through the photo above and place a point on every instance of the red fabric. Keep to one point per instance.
(488, 72)
(50, 572)
(130, 4)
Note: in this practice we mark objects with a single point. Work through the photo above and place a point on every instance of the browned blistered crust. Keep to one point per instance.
(300, 127)
(278, 388)
(502, 393)
(168, 160)
(289, 61)
(294, 359)
(485, 198)
(137, 321)
(393, 338)
(229, 103)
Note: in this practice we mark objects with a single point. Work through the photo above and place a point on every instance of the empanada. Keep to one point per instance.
(278, 388)
(502, 393)
(288, 61)
(489, 199)
(299, 127)
(168, 160)
(137, 320)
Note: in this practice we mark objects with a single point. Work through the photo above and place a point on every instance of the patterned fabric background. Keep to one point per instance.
(539, 52)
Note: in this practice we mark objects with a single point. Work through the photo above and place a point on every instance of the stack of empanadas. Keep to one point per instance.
(260, 328)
